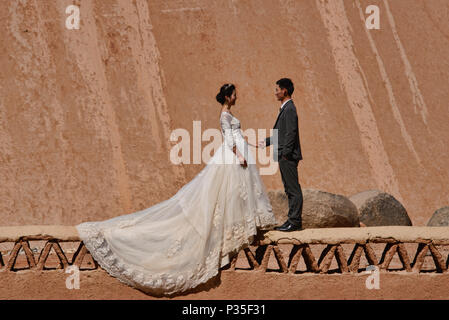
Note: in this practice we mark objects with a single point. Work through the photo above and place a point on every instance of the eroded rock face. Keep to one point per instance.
(377, 208)
(86, 115)
(320, 209)
(440, 218)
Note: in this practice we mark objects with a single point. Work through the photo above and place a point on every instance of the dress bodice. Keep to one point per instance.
(235, 123)
(230, 128)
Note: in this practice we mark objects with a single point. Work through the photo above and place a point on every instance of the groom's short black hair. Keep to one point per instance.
(287, 84)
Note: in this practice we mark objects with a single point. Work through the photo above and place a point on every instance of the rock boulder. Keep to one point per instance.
(377, 208)
(320, 209)
(440, 218)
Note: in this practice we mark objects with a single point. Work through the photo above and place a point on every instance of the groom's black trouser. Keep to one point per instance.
(289, 174)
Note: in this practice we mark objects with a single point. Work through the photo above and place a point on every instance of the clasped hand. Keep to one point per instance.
(261, 144)
(243, 162)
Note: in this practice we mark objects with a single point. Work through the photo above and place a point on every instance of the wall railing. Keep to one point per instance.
(330, 250)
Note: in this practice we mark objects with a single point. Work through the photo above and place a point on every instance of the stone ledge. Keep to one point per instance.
(38, 232)
(436, 235)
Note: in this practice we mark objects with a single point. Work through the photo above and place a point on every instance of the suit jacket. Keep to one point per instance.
(287, 134)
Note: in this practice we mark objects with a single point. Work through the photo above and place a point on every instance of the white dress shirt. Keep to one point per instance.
(283, 104)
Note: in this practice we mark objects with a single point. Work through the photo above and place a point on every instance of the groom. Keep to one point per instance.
(287, 152)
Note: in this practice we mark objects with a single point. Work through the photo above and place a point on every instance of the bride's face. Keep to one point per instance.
(232, 98)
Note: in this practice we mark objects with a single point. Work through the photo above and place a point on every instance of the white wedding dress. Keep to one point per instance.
(181, 242)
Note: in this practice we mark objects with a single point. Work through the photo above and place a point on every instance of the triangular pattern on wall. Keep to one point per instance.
(272, 257)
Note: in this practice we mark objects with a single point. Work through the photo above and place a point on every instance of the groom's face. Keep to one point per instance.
(280, 93)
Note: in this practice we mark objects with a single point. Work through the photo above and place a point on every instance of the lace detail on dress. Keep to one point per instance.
(217, 215)
(237, 237)
(176, 246)
(236, 232)
(257, 189)
(133, 275)
(243, 192)
(241, 234)
(164, 283)
(265, 220)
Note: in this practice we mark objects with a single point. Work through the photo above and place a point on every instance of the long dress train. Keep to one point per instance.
(182, 242)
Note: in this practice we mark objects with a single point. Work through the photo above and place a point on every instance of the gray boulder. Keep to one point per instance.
(377, 208)
(320, 209)
(440, 218)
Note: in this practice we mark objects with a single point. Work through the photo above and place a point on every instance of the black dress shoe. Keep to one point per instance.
(290, 227)
(286, 223)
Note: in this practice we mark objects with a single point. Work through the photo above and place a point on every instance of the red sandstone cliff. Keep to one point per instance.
(85, 115)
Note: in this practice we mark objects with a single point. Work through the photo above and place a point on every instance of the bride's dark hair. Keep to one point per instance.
(226, 90)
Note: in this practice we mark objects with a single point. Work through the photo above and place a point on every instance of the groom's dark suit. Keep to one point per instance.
(287, 151)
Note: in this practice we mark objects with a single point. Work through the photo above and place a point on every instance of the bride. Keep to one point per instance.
(183, 241)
